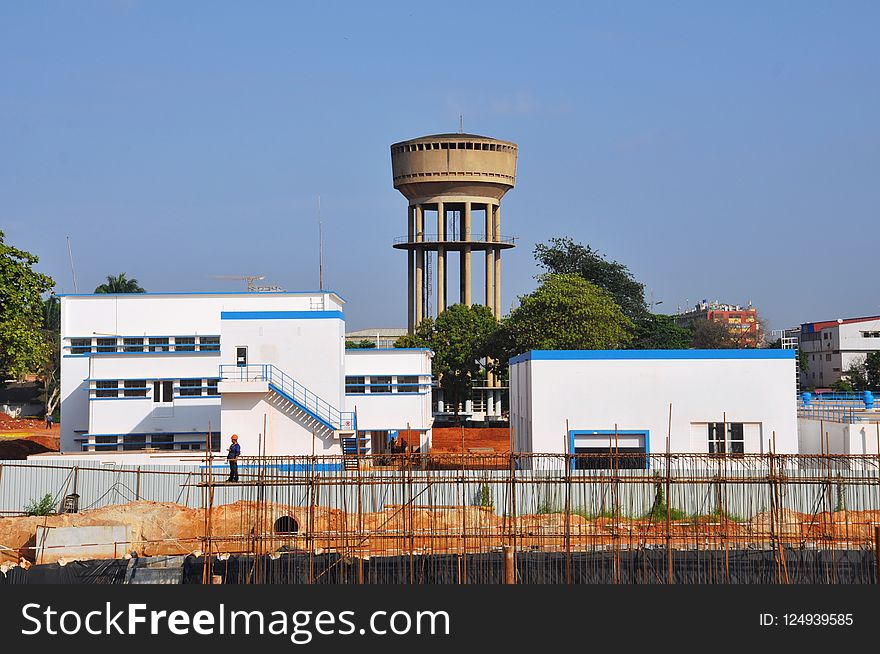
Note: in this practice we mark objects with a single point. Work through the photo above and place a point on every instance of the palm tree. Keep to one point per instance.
(120, 284)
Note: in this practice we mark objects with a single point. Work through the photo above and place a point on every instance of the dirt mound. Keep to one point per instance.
(20, 448)
(8, 423)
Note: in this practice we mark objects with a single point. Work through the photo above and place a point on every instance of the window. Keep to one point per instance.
(870, 334)
(132, 345)
(621, 458)
(163, 391)
(733, 444)
(407, 383)
(162, 441)
(209, 343)
(185, 344)
(828, 357)
(107, 388)
(380, 384)
(159, 345)
(106, 442)
(135, 388)
(190, 387)
(825, 336)
(355, 385)
(134, 442)
(80, 345)
(212, 387)
(106, 345)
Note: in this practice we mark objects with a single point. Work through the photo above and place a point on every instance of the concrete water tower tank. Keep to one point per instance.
(454, 184)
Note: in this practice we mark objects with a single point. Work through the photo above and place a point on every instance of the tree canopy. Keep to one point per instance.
(23, 348)
(459, 338)
(119, 284)
(563, 256)
(656, 331)
(712, 335)
(565, 312)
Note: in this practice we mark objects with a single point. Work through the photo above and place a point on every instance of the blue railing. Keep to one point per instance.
(292, 390)
(838, 407)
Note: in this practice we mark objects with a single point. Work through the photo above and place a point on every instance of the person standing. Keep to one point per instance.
(232, 455)
(49, 421)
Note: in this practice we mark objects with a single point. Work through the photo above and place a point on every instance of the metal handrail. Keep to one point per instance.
(435, 238)
(293, 389)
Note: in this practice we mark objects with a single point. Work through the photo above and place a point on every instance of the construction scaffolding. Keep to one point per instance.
(526, 518)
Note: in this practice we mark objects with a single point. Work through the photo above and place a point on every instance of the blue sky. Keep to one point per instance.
(721, 151)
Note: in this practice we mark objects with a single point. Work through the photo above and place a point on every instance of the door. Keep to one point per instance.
(163, 392)
(163, 399)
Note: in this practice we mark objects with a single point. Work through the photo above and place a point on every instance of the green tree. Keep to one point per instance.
(119, 284)
(659, 332)
(459, 338)
(854, 378)
(712, 335)
(23, 349)
(563, 256)
(566, 312)
(365, 344)
(50, 376)
(872, 371)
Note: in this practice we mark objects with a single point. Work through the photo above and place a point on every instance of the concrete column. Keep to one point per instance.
(497, 276)
(466, 255)
(410, 272)
(420, 264)
(441, 258)
(490, 265)
(490, 403)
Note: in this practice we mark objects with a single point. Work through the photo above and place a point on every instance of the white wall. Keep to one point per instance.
(392, 411)
(243, 415)
(839, 437)
(169, 315)
(632, 390)
(187, 414)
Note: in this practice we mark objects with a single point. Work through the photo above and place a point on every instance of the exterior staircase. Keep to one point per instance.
(294, 399)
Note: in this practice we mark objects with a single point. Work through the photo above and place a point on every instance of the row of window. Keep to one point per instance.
(458, 145)
(151, 441)
(162, 390)
(103, 345)
(870, 334)
(373, 384)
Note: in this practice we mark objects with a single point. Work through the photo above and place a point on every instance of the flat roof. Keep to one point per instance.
(200, 293)
(637, 355)
(822, 324)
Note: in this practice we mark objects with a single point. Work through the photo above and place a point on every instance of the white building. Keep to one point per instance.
(832, 346)
(157, 373)
(591, 401)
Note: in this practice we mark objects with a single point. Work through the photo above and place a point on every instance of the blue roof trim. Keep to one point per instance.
(281, 315)
(374, 350)
(637, 355)
(240, 293)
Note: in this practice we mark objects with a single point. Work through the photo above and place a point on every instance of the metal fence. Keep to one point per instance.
(585, 510)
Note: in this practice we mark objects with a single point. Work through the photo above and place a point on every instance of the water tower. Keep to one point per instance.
(454, 184)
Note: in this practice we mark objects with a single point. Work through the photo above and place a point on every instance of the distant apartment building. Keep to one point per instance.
(741, 323)
(832, 346)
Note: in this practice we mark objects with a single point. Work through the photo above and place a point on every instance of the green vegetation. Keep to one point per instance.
(119, 284)
(45, 506)
(459, 338)
(23, 346)
(365, 344)
(565, 312)
(484, 497)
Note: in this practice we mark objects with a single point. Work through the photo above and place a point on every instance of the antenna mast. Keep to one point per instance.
(72, 270)
(320, 248)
